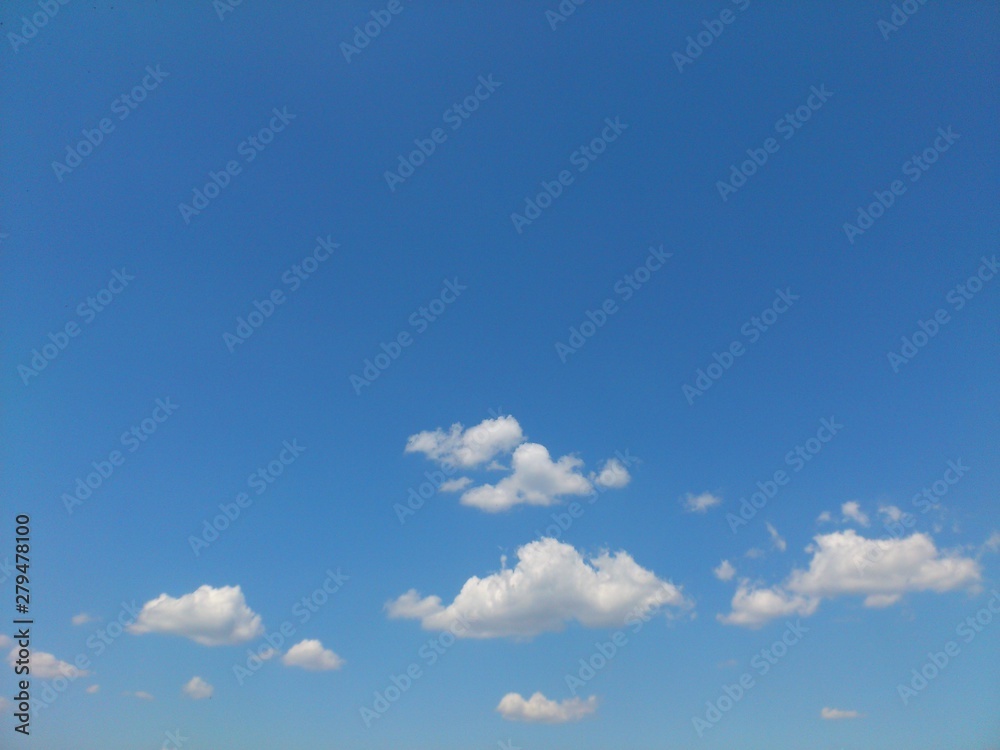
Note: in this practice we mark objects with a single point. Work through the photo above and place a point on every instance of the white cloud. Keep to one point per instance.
(48, 667)
(5, 641)
(93, 688)
(536, 480)
(776, 540)
(836, 713)
(455, 485)
(754, 553)
(613, 475)
(993, 543)
(700, 503)
(552, 584)
(4, 705)
(852, 512)
(890, 512)
(725, 571)
(310, 654)
(824, 517)
(140, 694)
(753, 607)
(540, 709)
(82, 619)
(468, 448)
(197, 689)
(209, 616)
(844, 563)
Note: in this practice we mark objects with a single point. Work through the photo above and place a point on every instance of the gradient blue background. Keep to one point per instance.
(494, 349)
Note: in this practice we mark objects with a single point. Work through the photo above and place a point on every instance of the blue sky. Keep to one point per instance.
(562, 264)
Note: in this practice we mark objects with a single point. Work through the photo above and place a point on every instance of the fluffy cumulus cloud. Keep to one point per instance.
(552, 584)
(47, 667)
(836, 713)
(700, 503)
(725, 571)
(197, 689)
(467, 448)
(844, 563)
(535, 479)
(852, 512)
(209, 616)
(310, 654)
(540, 709)
(613, 475)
